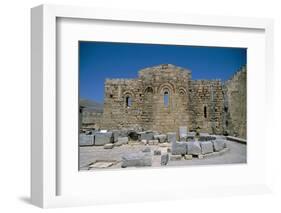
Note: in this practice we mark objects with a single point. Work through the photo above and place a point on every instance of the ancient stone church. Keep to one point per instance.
(165, 97)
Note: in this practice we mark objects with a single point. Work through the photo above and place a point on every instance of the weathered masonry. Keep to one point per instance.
(164, 97)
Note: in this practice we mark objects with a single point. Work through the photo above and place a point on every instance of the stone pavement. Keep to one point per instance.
(237, 154)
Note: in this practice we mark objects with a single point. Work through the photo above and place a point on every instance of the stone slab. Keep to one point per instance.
(175, 157)
(146, 135)
(86, 140)
(121, 141)
(182, 131)
(188, 157)
(200, 156)
(139, 159)
(108, 146)
(179, 148)
(115, 135)
(146, 149)
(153, 142)
(144, 142)
(171, 137)
(164, 145)
(190, 136)
(193, 148)
(102, 138)
(207, 147)
(219, 145)
(101, 164)
(161, 138)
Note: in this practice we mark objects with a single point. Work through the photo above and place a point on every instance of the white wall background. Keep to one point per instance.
(15, 104)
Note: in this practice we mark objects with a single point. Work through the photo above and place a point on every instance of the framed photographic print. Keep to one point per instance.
(144, 104)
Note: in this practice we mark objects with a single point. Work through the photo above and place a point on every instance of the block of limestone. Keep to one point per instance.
(86, 140)
(219, 145)
(179, 148)
(139, 159)
(171, 137)
(193, 148)
(207, 147)
(102, 138)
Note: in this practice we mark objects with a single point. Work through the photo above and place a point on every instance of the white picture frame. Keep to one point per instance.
(45, 152)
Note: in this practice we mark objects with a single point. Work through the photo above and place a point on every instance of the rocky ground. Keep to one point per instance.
(111, 158)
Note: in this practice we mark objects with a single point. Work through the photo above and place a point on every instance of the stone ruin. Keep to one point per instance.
(165, 107)
(189, 146)
(165, 97)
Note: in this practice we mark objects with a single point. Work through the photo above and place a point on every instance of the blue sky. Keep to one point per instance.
(101, 60)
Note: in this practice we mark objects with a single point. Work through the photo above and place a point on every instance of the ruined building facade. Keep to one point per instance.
(164, 97)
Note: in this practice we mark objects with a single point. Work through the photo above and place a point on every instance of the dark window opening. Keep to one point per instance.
(148, 90)
(205, 112)
(225, 109)
(226, 123)
(166, 98)
(111, 96)
(128, 101)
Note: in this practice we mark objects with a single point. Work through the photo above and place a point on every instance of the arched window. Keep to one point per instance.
(128, 101)
(205, 112)
(148, 90)
(166, 98)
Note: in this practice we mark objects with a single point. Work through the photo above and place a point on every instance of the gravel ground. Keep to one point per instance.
(237, 154)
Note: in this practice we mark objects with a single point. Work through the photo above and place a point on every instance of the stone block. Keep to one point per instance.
(144, 142)
(121, 141)
(139, 159)
(193, 148)
(161, 138)
(102, 138)
(165, 144)
(108, 146)
(188, 157)
(123, 133)
(190, 136)
(115, 135)
(146, 135)
(175, 157)
(86, 140)
(204, 137)
(218, 145)
(171, 137)
(207, 147)
(157, 152)
(153, 142)
(164, 159)
(182, 131)
(200, 156)
(146, 149)
(178, 148)
(219, 137)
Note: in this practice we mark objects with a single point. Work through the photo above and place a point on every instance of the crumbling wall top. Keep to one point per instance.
(163, 69)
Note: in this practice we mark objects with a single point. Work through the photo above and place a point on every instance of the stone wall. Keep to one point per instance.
(235, 107)
(164, 97)
(206, 106)
(91, 120)
(117, 114)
